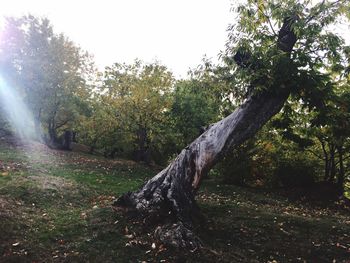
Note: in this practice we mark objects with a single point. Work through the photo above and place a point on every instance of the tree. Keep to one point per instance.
(98, 127)
(317, 120)
(330, 126)
(272, 63)
(50, 70)
(130, 110)
(194, 106)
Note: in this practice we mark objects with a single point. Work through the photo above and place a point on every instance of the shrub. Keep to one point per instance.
(236, 167)
(295, 173)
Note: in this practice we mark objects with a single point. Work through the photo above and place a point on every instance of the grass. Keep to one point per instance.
(55, 207)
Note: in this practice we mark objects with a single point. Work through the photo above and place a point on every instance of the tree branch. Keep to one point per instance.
(268, 19)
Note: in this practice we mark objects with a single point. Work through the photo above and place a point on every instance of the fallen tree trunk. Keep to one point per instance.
(171, 193)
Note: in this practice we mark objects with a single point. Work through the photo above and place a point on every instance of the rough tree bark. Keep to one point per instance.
(170, 194)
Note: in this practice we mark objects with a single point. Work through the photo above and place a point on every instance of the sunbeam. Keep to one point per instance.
(17, 113)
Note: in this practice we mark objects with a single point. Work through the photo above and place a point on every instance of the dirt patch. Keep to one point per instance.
(7, 207)
(6, 167)
(48, 182)
(4, 211)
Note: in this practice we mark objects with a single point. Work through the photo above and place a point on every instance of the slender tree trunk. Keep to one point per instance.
(142, 151)
(37, 125)
(171, 193)
(341, 176)
(52, 132)
(333, 167)
(326, 160)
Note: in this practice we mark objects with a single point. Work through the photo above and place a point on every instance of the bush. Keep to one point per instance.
(295, 173)
(236, 167)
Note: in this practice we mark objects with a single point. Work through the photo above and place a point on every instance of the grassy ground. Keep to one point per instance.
(55, 207)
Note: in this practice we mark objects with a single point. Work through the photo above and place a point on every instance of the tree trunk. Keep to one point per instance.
(170, 195)
(142, 154)
(52, 140)
(341, 176)
(326, 160)
(333, 167)
(67, 140)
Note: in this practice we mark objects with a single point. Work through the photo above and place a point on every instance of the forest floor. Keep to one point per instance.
(56, 207)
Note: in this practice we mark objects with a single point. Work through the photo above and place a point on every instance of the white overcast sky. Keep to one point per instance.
(178, 33)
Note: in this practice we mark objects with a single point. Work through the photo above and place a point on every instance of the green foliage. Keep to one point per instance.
(194, 108)
(256, 33)
(48, 69)
(129, 113)
(141, 112)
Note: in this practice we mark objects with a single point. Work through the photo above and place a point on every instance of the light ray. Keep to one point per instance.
(16, 112)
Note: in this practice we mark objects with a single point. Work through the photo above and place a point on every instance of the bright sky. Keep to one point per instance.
(178, 33)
